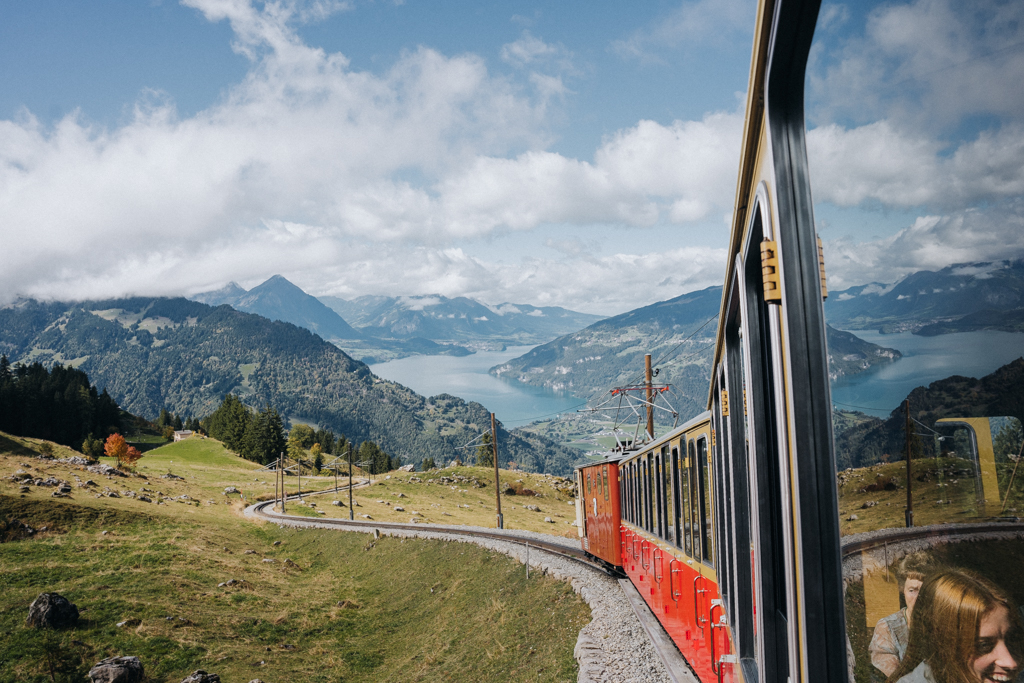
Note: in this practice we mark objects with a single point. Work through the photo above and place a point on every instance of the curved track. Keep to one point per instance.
(264, 510)
(872, 540)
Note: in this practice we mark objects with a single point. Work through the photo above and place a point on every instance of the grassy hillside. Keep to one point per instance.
(185, 356)
(331, 606)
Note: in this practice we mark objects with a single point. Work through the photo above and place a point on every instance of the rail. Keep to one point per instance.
(877, 539)
(264, 510)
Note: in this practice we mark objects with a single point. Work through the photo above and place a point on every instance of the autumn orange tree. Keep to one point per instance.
(117, 448)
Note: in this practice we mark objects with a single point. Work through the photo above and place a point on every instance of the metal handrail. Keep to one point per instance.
(642, 543)
(700, 621)
(655, 557)
(711, 612)
(671, 591)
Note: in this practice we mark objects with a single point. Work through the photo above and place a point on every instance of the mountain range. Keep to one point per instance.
(153, 353)
(385, 328)
(959, 298)
(460, 319)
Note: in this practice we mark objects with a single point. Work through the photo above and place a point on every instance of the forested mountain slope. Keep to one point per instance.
(998, 394)
(153, 353)
(611, 352)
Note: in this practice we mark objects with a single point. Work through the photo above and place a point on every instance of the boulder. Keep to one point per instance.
(230, 490)
(52, 610)
(200, 676)
(117, 670)
(407, 468)
(106, 470)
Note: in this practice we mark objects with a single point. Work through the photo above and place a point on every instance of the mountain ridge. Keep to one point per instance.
(153, 353)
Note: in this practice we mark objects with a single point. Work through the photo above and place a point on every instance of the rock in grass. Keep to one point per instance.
(230, 490)
(52, 610)
(117, 670)
(200, 676)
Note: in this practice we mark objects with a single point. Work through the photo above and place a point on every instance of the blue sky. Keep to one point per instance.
(543, 153)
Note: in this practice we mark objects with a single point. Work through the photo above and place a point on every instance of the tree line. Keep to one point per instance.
(260, 436)
(58, 404)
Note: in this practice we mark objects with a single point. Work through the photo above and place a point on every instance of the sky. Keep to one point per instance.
(579, 154)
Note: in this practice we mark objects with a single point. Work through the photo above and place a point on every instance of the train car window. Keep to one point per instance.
(922, 453)
(649, 496)
(706, 530)
(659, 495)
(607, 489)
(671, 516)
(688, 508)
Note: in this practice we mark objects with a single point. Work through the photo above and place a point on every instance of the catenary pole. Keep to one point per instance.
(284, 494)
(351, 510)
(497, 481)
(910, 499)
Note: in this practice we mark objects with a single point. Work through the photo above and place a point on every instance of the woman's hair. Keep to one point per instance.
(947, 619)
(913, 576)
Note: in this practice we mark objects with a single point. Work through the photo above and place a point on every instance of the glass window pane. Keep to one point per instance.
(707, 513)
(670, 508)
(923, 352)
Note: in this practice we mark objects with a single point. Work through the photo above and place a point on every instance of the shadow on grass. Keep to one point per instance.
(11, 447)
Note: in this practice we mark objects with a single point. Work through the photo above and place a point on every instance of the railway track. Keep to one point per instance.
(872, 540)
(264, 510)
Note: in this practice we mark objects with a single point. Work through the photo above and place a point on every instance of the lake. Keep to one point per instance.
(876, 392)
(925, 360)
(513, 403)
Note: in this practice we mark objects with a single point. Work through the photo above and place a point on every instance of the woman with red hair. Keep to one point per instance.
(964, 630)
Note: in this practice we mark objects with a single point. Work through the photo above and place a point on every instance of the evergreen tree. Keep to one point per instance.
(164, 419)
(427, 464)
(485, 452)
(318, 457)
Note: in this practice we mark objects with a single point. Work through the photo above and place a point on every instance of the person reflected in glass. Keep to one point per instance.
(965, 630)
(892, 633)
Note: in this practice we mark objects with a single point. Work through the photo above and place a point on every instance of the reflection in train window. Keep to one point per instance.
(691, 499)
(604, 473)
(671, 513)
(706, 510)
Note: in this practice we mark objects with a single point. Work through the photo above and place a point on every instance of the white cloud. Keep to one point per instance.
(308, 164)
(926, 63)
(930, 243)
(530, 49)
(694, 22)
(879, 162)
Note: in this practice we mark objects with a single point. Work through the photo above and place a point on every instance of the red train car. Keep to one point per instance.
(651, 512)
(598, 510)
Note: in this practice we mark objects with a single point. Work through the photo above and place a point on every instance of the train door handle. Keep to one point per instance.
(721, 624)
(656, 559)
(696, 612)
(675, 595)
